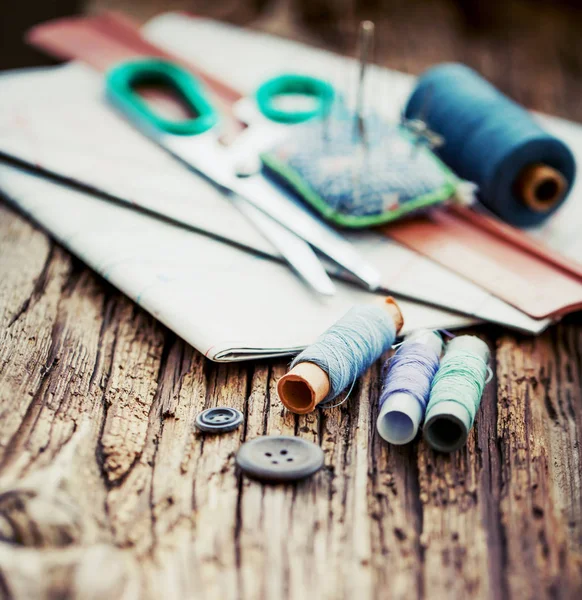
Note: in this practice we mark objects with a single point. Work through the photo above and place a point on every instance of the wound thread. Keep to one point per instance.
(456, 393)
(492, 141)
(348, 348)
(407, 378)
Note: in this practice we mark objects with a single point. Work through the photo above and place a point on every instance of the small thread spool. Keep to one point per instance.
(456, 393)
(523, 172)
(343, 353)
(406, 386)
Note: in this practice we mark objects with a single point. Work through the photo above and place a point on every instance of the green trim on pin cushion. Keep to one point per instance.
(305, 191)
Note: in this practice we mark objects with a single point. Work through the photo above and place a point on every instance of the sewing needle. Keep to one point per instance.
(365, 49)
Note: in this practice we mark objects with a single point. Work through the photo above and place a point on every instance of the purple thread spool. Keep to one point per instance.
(407, 377)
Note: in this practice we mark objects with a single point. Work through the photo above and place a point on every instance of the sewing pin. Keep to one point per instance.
(365, 50)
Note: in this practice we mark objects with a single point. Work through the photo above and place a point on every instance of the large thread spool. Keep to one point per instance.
(523, 172)
(406, 386)
(456, 393)
(344, 352)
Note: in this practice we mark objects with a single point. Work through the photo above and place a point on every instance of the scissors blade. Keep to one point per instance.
(261, 135)
(284, 206)
(213, 161)
(295, 251)
(280, 204)
(205, 155)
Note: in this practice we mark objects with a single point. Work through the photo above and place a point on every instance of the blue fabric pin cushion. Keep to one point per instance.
(360, 183)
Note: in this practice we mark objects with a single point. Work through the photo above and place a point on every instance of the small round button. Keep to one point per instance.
(219, 419)
(279, 458)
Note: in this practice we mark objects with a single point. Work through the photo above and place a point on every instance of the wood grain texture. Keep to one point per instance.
(108, 491)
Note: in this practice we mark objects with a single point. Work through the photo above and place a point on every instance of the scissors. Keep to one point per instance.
(273, 210)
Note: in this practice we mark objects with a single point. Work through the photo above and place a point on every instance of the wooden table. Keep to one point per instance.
(107, 490)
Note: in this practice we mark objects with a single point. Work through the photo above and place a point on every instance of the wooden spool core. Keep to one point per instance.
(306, 384)
(541, 187)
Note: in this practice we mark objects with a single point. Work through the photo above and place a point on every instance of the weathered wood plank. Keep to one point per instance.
(536, 536)
(384, 520)
(107, 489)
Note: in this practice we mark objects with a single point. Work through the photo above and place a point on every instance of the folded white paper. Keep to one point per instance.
(230, 305)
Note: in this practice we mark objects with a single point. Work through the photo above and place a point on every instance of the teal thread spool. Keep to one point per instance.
(456, 393)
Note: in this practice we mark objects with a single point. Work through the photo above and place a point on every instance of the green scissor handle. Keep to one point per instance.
(121, 83)
(302, 85)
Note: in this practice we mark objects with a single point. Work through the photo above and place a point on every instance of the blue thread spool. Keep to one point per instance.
(340, 355)
(523, 172)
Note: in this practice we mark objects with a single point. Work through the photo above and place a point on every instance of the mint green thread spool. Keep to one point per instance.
(456, 393)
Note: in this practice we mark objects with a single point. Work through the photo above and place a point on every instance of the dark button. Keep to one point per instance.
(279, 458)
(219, 419)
